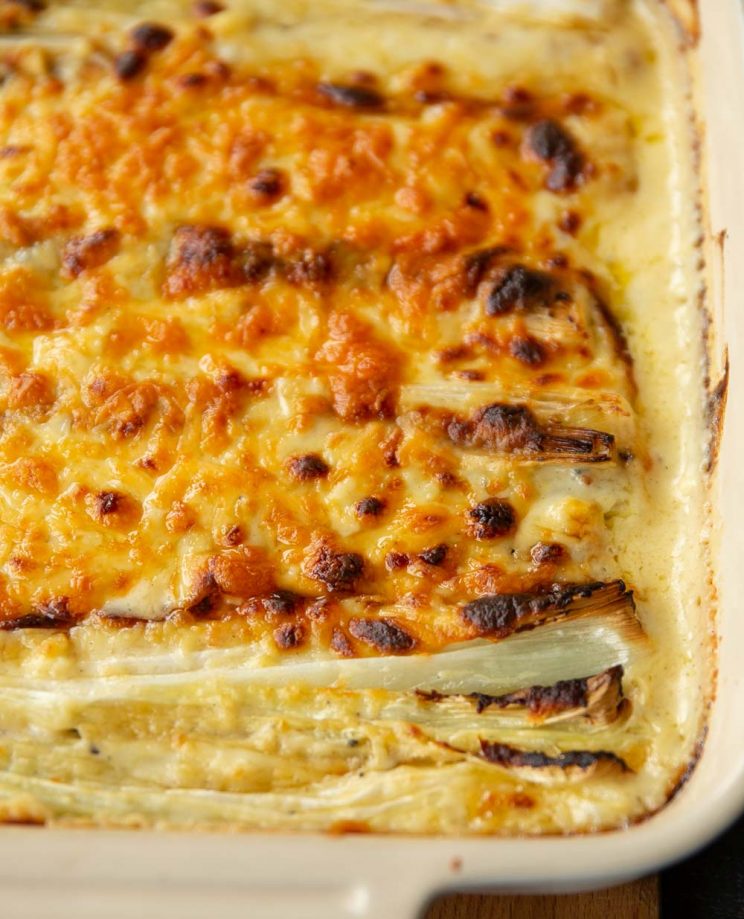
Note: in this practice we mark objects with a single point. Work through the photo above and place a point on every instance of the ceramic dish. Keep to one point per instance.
(61, 873)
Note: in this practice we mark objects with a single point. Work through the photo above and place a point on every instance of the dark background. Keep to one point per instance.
(709, 885)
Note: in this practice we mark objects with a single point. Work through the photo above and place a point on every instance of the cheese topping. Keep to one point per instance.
(322, 385)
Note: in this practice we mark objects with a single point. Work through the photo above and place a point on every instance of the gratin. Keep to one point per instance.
(352, 416)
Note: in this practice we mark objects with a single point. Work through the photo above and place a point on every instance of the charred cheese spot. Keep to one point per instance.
(281, 603)
(570, 222)
(205, 595)
(267, 185)
(112, 509)
(518, 288)
(128, 410)
(338, 571)
(499, 427)
(192, 80)
(257, 260)
(474, 200)
(308, 467)
(383, 634)
(151, 36)
(340, 643)
(370, 507)
(544, 553)
(108, 502)
(201, 258)
(129, 64)
(492, 518)
(84, 252)
(518, 103)
(527, 350)
(205, 8)
(395, 560)
(550, 142)
(359, 97)
(290, 635)
(435, 555)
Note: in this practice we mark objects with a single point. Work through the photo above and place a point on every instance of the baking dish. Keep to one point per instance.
(61, 873)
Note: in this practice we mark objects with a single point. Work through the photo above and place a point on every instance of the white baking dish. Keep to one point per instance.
(86, 873)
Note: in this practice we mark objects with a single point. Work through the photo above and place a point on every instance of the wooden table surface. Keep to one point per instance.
(631, 901)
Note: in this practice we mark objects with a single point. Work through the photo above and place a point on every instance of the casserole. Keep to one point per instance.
(517, 859)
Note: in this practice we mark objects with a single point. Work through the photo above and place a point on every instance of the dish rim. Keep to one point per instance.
(357, 869)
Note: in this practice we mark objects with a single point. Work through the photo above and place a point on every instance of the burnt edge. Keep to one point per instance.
(501, 615)
(684, 774)
(715, 412)
(686, 771)
(618, 337)
(543, 701)
(55, 614)
(562, 696)
(685, 20)
(512, 757)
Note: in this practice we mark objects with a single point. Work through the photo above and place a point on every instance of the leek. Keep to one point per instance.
(584, 642)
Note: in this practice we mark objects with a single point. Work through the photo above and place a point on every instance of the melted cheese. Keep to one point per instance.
(298, 362)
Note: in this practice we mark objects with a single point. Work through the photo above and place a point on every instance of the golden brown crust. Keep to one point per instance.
(333, 278)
